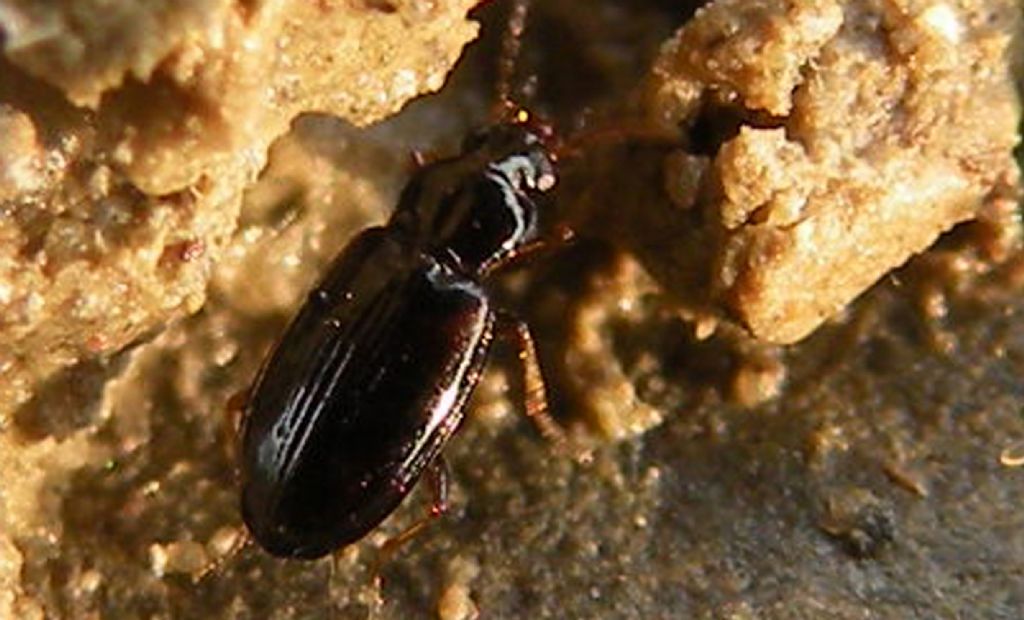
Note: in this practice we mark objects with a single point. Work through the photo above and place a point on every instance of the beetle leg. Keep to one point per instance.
(535, 394)
(437, 476)
(234, 412)
(533, 381)
(239, 542)
(563, 235)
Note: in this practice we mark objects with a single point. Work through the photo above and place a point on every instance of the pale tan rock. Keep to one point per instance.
(601, 382)
(785, 278)
(21, 155)
(751, 51)
(888, 123)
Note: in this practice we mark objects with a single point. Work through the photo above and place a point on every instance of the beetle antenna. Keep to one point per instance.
(610, 135)
(511, 44)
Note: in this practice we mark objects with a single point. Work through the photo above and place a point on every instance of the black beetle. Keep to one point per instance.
(370, 380)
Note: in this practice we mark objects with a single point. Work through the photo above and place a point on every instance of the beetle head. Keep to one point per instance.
(475, 210)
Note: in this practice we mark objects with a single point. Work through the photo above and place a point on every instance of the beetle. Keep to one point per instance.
(371, 378)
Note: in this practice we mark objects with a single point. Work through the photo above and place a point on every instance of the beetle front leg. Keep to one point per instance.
(562, 236)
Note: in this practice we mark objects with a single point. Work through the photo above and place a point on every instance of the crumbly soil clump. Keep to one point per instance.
(841, 138)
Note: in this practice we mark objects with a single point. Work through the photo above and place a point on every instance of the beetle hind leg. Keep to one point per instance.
(438, 477)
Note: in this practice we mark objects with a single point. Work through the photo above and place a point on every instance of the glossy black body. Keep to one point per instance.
(370, 380)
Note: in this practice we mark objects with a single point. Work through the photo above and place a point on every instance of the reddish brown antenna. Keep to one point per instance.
(511, 43)
(616, 133)
(506, 109)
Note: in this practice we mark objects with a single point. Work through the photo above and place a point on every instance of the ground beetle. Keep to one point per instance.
(371, 379)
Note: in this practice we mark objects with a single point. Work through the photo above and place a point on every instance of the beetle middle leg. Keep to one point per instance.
(534, 388)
